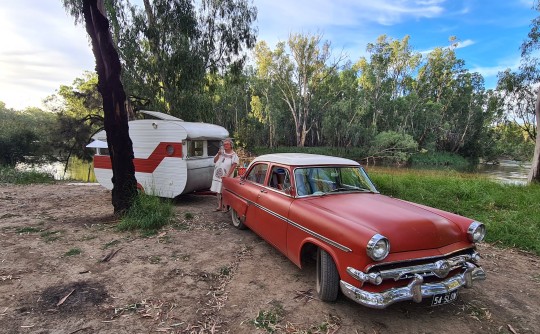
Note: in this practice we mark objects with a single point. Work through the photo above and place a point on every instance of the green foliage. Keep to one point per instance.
(451, 160)
(168, 47)
(510, 212)
(79, 112)
(269, 319)
(25, 136)
(511, 141)
(295, 96)
(148, 213)
(10, 174)
(293, 73)
(392, 146)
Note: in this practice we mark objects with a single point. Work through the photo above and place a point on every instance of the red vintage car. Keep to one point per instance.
(377, 249)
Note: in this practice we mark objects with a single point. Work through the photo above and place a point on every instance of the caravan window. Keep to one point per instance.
(102, 151)
(213, 147)
(196, 148)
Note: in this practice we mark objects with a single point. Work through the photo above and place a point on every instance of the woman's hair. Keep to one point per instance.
(228, 140)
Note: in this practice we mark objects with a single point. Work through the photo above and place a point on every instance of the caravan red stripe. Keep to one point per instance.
(144, 165)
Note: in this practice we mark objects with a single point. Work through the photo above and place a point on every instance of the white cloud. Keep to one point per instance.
(492, 71)
(464, 44)
(348, 24)
(301, 15)
(41, 49)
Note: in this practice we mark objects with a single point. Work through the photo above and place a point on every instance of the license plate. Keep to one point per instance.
(444, 298)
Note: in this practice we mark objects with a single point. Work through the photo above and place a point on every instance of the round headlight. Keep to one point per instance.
(378, 247)
(476, 231)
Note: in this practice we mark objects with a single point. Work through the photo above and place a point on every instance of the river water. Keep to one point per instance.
(507, 171)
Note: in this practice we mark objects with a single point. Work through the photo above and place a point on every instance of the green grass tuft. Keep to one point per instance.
(14, 176)
(148, 213)
(50, 236)
(28, 230)
(268, 319)
(73, 251)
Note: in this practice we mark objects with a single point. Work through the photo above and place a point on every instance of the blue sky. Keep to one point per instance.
(42, 49)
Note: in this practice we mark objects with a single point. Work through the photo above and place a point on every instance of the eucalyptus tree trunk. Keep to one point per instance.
(114, 106)
(534, 174)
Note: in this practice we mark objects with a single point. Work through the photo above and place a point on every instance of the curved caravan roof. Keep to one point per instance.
(176, 127)
(194, 130)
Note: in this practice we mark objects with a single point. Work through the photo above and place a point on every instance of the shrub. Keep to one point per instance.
(12, 175)
(148, 213)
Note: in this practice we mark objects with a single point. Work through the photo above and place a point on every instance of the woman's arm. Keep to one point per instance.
(233, 166)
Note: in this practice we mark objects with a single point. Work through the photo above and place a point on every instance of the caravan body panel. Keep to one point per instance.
(166, 164)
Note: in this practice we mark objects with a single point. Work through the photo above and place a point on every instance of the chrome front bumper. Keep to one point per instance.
(416, 290)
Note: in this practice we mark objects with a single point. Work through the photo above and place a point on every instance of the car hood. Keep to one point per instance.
(407, 226)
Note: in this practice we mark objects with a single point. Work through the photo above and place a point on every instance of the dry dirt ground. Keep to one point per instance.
(65, 269)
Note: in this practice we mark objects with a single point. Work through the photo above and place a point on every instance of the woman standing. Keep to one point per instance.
(225, 162)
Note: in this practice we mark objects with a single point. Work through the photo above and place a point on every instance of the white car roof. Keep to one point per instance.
(304, 159)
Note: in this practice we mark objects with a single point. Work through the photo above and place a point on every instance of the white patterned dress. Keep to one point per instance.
(222, 167)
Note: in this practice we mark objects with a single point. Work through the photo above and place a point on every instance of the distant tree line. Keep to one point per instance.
(190, 59)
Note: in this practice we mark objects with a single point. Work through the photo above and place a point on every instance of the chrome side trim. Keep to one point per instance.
(320, 237)
(416, 290)
(292, 223)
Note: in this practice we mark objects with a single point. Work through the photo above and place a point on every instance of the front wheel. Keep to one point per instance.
(327, 277)
(236, 221)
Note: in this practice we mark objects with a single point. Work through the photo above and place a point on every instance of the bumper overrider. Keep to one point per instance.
(416, 290)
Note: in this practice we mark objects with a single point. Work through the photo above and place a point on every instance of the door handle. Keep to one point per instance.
(263, 191)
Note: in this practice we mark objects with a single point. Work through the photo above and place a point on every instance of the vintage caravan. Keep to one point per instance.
(172, 157)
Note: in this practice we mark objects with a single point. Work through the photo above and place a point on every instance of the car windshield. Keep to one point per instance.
(334, 179)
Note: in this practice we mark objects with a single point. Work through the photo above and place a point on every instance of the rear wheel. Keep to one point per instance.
(327, 277)
(235, 219)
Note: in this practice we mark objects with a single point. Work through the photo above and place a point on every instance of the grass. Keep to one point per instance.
(28, 230)
(268, 319)
(148, 213)
(510, 212)
(14, 176)
(445, 159)
(50, 236)
(73, 251)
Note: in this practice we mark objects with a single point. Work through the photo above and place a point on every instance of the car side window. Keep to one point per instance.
(280, 179)
(302, 184)
(257, 174)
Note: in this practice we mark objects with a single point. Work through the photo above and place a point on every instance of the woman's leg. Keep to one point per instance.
(219, 201)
